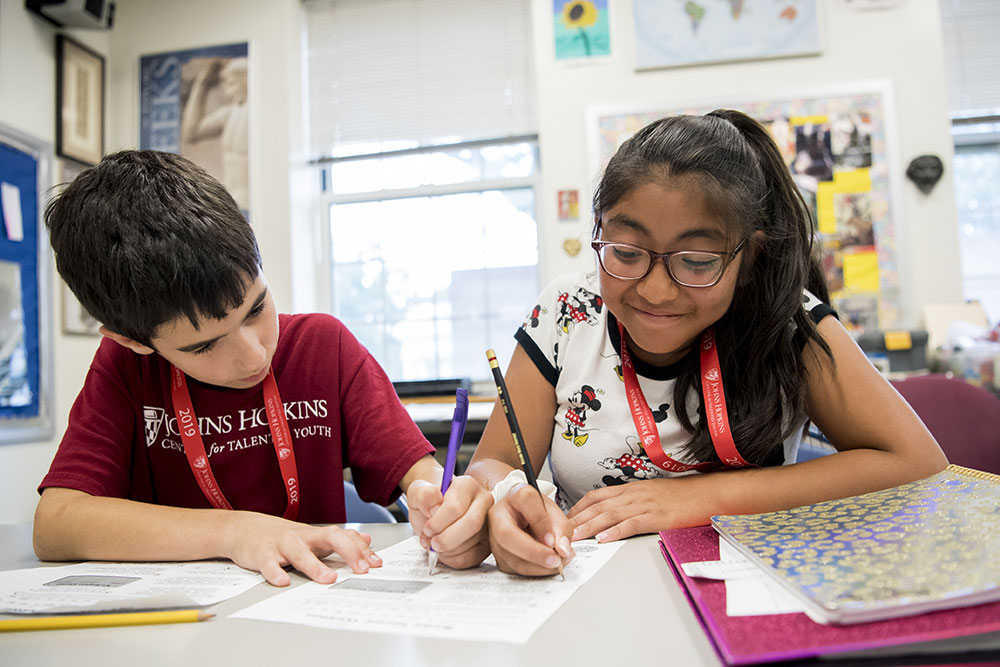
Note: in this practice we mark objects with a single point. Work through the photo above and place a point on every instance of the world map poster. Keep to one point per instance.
(671, 33)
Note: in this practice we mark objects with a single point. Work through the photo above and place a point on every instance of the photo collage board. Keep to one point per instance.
(836, 149)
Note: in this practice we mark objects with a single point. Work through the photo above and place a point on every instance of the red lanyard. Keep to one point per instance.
(715, 410)
(194, 446)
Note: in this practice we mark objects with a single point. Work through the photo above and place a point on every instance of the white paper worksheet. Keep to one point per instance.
(103, 586)
(402, 598)
(749, 590)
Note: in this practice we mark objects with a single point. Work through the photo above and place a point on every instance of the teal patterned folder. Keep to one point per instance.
(927, 545)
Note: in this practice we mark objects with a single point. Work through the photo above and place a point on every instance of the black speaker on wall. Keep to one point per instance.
(94, 14)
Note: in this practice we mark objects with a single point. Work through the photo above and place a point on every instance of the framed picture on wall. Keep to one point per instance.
(79, 102)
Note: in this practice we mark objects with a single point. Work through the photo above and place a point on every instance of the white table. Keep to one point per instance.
(631, 613)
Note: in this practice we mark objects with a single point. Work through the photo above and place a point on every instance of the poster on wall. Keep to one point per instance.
(672, 34)
(581, 29)
(194, 102)
(25, 299)
(836, 149)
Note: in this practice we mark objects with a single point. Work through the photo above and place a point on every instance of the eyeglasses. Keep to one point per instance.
(690, 268)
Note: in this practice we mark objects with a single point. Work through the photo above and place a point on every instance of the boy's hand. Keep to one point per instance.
(455, 525)
(267, 544)
(528, 536)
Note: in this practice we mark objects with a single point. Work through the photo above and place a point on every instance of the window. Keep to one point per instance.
(972, 60)
(429, 277)
(421, 120)
(422, 126)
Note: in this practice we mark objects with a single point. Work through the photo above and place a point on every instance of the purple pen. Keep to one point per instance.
(458, 422)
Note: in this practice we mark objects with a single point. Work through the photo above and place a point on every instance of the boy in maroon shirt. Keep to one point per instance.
(209, 425)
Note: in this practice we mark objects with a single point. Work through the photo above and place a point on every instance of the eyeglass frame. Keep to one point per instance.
(726, 257)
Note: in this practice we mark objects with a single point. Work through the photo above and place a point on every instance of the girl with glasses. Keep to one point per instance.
(703, 343)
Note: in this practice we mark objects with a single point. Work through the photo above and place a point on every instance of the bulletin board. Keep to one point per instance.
(839, 146)
(25, 293)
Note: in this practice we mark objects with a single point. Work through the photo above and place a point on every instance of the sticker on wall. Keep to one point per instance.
(569, 205)
(581, 29)
(572, 247)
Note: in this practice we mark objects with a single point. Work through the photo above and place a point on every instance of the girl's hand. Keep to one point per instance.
(528, 536)
(646, 506)
(454, 525)
(268, 543)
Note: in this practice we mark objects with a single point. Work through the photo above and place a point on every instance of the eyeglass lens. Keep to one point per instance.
(687, 267)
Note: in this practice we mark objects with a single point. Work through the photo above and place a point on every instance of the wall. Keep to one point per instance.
(903, 44)
(857, 49)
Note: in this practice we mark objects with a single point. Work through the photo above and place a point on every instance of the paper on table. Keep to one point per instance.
(749, 591)
(401, 598)
(99, 586)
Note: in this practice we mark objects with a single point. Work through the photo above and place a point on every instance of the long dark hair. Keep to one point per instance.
(735, 163)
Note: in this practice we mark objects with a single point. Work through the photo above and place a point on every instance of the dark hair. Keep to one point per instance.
(145, 237)
(738, 168)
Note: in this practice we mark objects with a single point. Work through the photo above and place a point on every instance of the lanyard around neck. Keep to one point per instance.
(715, 410)
(194, 446)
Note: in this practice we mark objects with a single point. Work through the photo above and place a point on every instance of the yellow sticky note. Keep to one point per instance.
(808, 120)
(826, 216)
(861, 271)
(898, 340)
(856, 180)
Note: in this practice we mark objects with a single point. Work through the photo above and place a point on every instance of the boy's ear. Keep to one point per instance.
(125, 341)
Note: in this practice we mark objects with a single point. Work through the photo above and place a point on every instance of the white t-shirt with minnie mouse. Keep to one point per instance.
(573, 341)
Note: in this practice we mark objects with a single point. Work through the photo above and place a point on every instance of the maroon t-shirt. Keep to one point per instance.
(122, 440)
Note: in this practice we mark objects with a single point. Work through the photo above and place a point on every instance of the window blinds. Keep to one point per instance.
(972, 56)
(396, 74)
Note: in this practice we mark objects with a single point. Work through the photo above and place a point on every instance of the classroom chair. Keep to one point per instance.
(964, 418)
(359, 511)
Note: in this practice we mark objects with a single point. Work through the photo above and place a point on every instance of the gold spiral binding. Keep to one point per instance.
(973, 473)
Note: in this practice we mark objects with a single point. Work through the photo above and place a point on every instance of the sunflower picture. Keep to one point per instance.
(581, 28)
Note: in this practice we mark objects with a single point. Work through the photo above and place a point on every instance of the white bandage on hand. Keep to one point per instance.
(517, 477)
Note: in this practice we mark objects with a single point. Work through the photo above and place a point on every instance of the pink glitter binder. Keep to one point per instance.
(746, 640)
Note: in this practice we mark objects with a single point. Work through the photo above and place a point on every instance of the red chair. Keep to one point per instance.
(964, 419)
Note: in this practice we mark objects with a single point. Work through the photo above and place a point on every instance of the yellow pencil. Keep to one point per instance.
(103, 620)
(515, 433)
